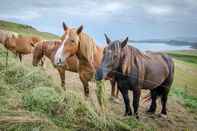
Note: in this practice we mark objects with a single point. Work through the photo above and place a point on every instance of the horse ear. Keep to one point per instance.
(64, 26)
(79, 30)
(124, 42)
(107, 39)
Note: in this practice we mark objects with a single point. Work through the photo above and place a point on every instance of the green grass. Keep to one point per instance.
(185, 83)
(185, 56)
(45, 106)
(25, 30)
(187, 100)
(186, 71)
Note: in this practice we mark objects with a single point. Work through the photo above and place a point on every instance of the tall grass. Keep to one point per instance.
(101, 94)
(187, 100)
(31, 91)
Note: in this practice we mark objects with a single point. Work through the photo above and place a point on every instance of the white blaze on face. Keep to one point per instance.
(60, 56)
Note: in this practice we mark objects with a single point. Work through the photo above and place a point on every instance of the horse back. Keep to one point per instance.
(157, 69)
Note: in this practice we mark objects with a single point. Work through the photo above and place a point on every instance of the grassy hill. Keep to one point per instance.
(31, 99)
(25, 30)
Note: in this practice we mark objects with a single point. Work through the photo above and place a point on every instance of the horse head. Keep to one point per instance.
(111, 58)
(38, 53)
(34, 40)
(69, 46)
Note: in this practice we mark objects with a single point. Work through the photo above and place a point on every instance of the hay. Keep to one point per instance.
(101, 94)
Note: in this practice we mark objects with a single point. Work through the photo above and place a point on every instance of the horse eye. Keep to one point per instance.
(72, 41)
(104, 51)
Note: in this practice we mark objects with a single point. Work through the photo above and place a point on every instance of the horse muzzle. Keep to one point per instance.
(101, 74)
(58, 62)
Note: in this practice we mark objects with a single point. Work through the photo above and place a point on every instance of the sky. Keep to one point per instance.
(137, 19)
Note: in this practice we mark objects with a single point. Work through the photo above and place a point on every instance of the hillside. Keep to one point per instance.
(31, 99)
(25, 30)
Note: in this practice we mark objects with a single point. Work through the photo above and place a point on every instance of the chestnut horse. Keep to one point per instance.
(21, 45)
(48, 49)
(134, 71)
(76, 42)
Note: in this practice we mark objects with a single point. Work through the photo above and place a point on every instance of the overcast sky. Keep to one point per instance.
(138, 19)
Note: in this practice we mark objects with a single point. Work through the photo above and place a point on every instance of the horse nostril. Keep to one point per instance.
(59, 61)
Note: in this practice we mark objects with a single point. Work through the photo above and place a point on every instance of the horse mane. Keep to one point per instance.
(87, 46)
(4, 35)
(131, 57)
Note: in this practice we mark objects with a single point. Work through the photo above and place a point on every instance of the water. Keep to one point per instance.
(159, 47)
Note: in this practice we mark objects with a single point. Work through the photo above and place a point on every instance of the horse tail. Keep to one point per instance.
(170, 64)
(164, 88)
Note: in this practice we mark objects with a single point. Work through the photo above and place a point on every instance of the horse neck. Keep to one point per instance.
(87, 49)
(46, 50)
(98, 55)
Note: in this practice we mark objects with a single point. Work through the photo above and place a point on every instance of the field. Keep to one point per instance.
(31, 97)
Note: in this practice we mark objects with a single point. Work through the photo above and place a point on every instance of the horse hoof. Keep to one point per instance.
(114, 99)
(150, 112)
(128, 114)
(137, 117)
(163, 116)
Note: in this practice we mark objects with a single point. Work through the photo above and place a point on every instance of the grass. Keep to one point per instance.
(101, 94)
(25, 30)
(187, 100)
(187, 56)
(30, 100)
(186, 74)
(185, 82)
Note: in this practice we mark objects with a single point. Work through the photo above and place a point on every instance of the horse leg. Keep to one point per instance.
(136, 99)
(20, 57)
(113, 87)
(124, 93)
(42, 62)
(16, 55)
(164, 98)
(6, 58)
(62, 77)
(85, 84)
(117, 92)
(153, 105)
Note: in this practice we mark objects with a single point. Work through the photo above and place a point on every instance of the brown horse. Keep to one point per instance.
(48, 49)
(21, 45)
(4, 35)
(134, 71)
(76, 42)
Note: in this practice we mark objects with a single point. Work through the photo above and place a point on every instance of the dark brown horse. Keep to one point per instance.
(134, 71)
(76, 42)
(48, 49)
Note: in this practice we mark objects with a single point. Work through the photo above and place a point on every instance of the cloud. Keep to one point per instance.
(134, 16)
(160, 10)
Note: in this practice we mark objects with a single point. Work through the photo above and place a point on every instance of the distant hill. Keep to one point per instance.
(25, 30)
(192, 42)
(188, 39)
